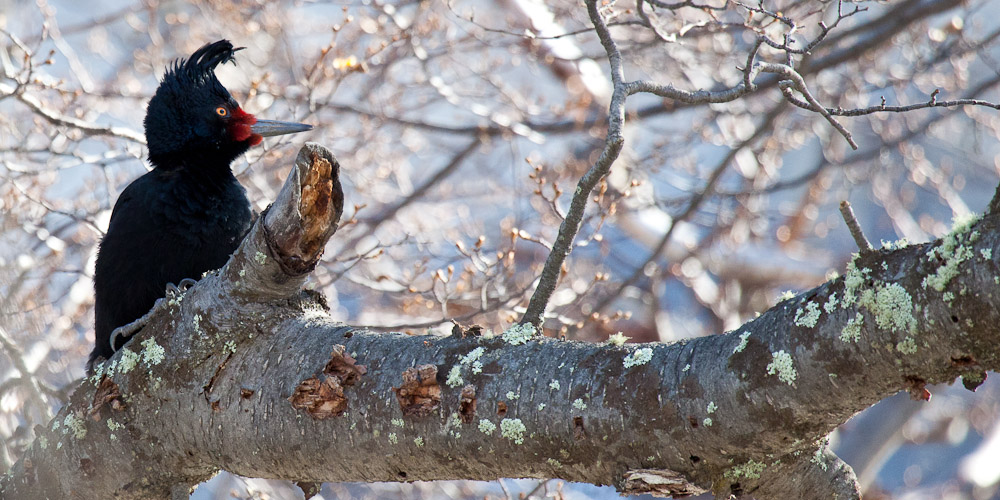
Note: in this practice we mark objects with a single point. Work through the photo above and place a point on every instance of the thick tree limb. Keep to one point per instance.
(244, 373)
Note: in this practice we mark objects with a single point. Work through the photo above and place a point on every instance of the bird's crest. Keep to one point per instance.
(201, 65)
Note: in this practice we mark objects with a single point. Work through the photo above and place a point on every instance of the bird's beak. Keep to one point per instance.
(268, 128)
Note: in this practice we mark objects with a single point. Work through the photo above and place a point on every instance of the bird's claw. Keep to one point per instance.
(117, 332)
(178, 289)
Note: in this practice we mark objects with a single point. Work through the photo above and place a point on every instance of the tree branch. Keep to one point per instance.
(613, 143)
(854, 227)
(246, 374)
(56, 118)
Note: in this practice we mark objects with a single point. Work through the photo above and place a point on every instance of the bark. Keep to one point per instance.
(255, 378)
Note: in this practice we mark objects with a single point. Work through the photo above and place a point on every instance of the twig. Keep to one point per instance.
(55, 118)
(612, 147)
(388, 213)
(796, 81)
(932, 102)
(854, 227)
(16, 357)
(687, 3)
(695, 202)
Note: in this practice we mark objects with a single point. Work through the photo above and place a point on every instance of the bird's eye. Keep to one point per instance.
(221, 111)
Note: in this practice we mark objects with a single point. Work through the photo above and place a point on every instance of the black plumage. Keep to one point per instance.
(189, 213)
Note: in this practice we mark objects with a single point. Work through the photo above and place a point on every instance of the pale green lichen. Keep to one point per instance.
(618, 339)
(987, 253)
(818, 456)
(230, 346)
(260, 257)
(98, 373)
(688, 366)
(43, 442)
(455, 377)
(749, 470)
(809, 316)
(553, 462)
(487, 427)
(892, 306)
(554, 385)
(541, 406)
(398, 422)
(818, 460)
(831, 304)
(512, 395)
(392, 438)
(197, 324)
(638, 357)
(852, 331)
(890, 303)
(114, 426)
(579, 404)
(128, 361)
(781, 364)
(519, 334)
(175, 300)
(707, 422)
(744, 340)
(711, 407)
(76, 425)
(419, 441)
(152, 353)
(854, 279)
(513, 429)
(952, 251)
(453, 425)
(907, 346)
(948, 297)
(472, 356)
(477, 367)
(787, 294)
(895, 245)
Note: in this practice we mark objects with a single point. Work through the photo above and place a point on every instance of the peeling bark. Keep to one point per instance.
(211, 382)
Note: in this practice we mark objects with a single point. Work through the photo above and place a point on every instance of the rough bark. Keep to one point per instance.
(254, 378)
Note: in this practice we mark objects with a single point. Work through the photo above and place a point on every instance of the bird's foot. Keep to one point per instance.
(182, 286)
(172, 291)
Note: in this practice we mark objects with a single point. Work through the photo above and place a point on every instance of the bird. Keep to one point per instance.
(189, 213)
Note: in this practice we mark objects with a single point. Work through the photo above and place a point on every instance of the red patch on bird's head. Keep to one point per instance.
(239, 127)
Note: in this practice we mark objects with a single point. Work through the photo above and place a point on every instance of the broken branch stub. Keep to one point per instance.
(307, 210)
(287, 240)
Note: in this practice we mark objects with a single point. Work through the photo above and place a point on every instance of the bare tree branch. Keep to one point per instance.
(574, 216)
(280, 383)
(854, 227)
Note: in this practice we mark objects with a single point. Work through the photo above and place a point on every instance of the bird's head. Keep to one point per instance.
(193, 120)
